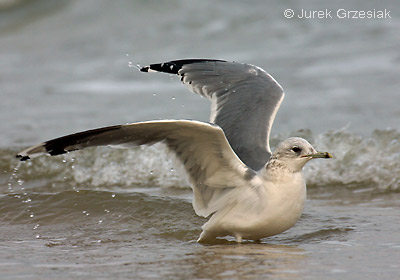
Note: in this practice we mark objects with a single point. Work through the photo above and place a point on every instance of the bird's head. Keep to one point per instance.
(294, 153)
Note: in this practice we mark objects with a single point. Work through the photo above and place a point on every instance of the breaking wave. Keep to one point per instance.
(360, 162)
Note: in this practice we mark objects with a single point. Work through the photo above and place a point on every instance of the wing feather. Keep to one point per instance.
(202, 148)
(245, 100)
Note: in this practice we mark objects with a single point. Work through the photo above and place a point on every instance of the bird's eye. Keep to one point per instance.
(296, 149)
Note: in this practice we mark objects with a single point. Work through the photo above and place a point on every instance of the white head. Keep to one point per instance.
(294, 153)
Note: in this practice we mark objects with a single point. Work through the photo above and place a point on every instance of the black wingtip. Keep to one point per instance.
(174, 66)
(22, 158)
(166, 67)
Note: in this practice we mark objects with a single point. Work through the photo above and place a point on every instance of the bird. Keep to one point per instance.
(245, 190)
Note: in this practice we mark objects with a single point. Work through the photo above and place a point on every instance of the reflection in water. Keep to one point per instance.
(246, 260)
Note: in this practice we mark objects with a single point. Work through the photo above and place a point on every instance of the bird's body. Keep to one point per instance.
(264, 208)
(247, 192)
(269, 203)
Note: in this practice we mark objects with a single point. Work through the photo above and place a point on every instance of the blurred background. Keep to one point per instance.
(70, 65)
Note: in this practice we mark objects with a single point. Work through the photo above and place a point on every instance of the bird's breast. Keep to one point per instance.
(285, 203)
(280, 207)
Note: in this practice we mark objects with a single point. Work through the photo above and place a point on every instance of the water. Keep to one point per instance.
(109, 213)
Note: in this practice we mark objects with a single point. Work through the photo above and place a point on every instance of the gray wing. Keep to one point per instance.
(208, 159)
(245, 100)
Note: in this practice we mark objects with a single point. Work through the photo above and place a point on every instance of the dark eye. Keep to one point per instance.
(296, 149)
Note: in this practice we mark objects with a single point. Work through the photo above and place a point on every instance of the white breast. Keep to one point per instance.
(261, 210)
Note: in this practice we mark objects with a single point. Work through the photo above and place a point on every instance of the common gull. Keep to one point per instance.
(247, 191)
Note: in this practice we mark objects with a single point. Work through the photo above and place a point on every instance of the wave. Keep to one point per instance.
(371, 162)
(98, 168)
(367, 162)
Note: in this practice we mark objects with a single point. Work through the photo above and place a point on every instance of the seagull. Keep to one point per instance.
(247, 191)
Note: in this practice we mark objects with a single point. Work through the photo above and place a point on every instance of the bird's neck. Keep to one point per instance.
(277, 170)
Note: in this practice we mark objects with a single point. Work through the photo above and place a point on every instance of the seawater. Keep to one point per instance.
(371, 162)
(88, 212)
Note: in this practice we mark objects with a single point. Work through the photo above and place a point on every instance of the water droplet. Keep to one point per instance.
(130, 64)
(36, 226)
(127, 54)
(31, 215)
(172, 169)
(37, 236)
(113, 195)
(100, 221)
(183, 105)
(154, 94)
(106, 210)
(20, 182)
(173, 97)
(64, 160)
(27, 200)
(151, 172)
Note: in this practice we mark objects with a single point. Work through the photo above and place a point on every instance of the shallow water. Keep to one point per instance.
(126, 214)
(103, 234)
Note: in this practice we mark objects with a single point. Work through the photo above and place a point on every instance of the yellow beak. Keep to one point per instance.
(319, 155)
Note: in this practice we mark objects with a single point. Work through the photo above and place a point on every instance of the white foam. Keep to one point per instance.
(368, 162)
(371, 162)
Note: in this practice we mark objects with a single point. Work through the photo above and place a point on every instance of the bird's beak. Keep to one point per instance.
(319, 155)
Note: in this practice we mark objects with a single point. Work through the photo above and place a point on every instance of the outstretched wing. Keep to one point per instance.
(245, 100)
(208, 159)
